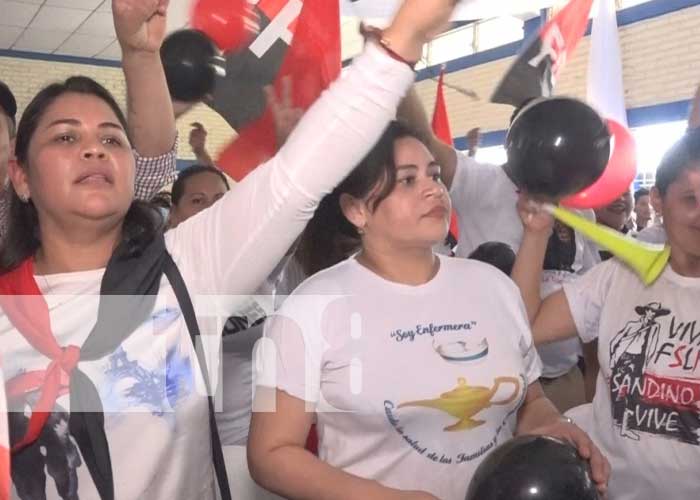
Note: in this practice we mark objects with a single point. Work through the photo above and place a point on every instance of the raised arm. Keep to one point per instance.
(140, 27)
(551, 319)
(554, 320)
(198, 143)
(527, 270)
(238, 241)
(412, 113)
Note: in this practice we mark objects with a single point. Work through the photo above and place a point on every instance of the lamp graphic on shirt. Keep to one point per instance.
(465, 401)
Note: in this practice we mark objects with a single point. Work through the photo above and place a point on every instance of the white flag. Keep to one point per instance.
(606, 91)
(467, 10)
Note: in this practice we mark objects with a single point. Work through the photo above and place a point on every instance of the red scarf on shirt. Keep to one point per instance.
(26, 308)
(127, 296)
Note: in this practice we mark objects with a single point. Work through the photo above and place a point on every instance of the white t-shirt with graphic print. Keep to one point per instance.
(156, 412)
(646, 411)
(412, 385)
(152, 395)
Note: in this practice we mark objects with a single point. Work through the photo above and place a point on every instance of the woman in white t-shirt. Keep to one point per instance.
(414, 365)
(646, 412)
(105, 387)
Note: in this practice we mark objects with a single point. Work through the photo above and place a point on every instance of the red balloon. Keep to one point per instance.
(617, 176)
(224, 21)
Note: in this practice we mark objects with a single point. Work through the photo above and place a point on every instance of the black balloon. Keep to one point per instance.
(557, 147)
(190, 60)
(533, 468)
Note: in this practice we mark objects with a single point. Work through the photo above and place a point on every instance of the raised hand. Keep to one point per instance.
(140, 24)
(198, 137)
(417, 22)
(198, 142)
(474, 137)
(534, 216)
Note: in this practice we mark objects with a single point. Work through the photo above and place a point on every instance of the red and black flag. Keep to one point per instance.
(534, 73)
(298, 40)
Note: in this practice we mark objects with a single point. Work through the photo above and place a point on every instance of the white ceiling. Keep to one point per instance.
(84, 27)
(68, 27)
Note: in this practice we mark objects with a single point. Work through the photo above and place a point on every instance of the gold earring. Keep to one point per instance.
(360, 231)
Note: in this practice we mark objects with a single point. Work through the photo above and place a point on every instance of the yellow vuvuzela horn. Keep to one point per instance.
(647, 260)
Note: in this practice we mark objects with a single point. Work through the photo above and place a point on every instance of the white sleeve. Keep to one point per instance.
(531, 359)
(461, 191)
(230, 248)
(293, 343)
(586, 297)
(468, 183)
(515, 307)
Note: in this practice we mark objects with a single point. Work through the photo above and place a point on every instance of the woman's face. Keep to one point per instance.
(201, 191)
(80, 164)
(417, 212)
(680, 208)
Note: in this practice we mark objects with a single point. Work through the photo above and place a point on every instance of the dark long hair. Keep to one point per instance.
(22, 240)
(329, 237)
(560, 255)
(178, 190)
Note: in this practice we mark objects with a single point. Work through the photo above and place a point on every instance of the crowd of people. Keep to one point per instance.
(307, 312)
